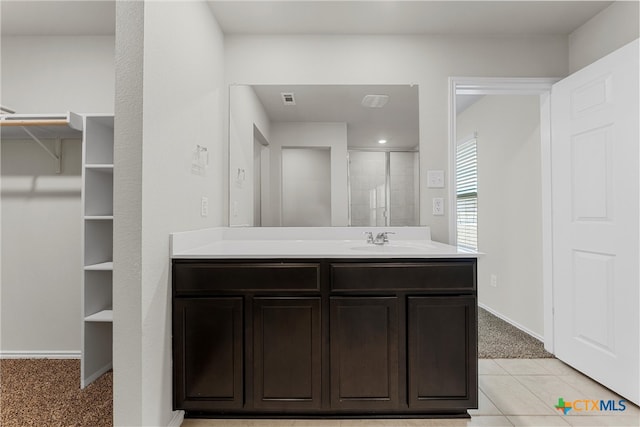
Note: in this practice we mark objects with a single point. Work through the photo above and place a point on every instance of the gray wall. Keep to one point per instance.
(609, 30)
(509, 205)
(428, 61)
(170, 98)
(192, 80)
(41, 224)
(305, 134)
(40, 209)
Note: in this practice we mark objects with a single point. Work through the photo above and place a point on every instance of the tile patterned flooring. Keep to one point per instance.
(513, 392)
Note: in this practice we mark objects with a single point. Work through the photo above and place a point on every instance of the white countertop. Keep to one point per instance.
(309, 242)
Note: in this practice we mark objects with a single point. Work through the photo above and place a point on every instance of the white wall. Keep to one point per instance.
(332, 135)
(609, 30)
(41, 273)
(509, 205)
(306, 187)
(182, 97)
(127, 215)
(245, 111)
(55, 74)
(426, 60)
(41, 283)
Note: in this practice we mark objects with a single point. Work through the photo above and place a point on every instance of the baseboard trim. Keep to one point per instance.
(97, 374)
(512, 322)
(9, 354)
(177, 419)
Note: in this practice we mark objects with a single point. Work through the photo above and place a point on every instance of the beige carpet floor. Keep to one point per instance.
(498, 339)
(46, 392)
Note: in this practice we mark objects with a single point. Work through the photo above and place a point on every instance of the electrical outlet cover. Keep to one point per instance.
(204, 206)
(438, 206)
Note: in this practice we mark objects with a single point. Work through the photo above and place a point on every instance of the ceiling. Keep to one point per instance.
(57, 18)
(403, 17)
(397, 121)
(96, 17)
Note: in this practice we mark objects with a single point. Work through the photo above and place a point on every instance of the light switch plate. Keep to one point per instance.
(435, 179)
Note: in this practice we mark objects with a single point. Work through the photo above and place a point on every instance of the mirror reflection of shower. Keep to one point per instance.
(266, 121)
(383, 188)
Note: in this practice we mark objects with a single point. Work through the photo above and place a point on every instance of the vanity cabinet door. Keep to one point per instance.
(208, 353)
(364, 353)
(287, 353)
(442, 350)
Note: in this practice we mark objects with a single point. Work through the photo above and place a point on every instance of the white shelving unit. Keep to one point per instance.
(96, 131)
(97, 256)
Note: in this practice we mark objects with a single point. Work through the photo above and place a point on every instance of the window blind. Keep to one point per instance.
(467, 194)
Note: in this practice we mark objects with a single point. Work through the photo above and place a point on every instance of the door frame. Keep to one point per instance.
(513, 86)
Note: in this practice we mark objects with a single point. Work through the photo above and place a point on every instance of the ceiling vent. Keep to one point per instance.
(375, 101)
(288, 99)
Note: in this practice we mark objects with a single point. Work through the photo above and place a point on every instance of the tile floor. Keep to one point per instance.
(513, 392)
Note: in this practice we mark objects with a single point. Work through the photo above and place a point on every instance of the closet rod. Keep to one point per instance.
(44, 122)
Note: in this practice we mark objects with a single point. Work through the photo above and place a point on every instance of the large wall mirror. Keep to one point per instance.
(319, 155)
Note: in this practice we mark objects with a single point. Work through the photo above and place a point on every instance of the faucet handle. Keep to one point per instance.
(369, 236)
(385, 236)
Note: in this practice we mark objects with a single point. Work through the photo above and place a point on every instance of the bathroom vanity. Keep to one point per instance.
(324, 326)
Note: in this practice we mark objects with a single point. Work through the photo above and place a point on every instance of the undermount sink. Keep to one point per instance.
(390, 248)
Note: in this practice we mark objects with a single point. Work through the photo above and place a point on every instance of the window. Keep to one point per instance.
(467, 194)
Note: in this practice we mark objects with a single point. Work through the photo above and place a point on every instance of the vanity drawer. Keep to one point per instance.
(190, 278)
(453, 275)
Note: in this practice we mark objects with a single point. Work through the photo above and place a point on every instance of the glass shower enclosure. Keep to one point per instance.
(383, 188)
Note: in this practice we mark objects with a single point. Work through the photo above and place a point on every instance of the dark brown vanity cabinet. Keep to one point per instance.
(208, 353)
(364, 353)
(313, 337)
(286, 353)
(442, 352)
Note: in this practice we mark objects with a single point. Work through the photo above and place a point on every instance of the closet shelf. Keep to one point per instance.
(104, 266)
(101, 316)
(39, 127)
(44, 126)
(99, 166)
(97, 237)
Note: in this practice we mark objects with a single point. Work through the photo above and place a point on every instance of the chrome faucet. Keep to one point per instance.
(380, 239)
(369, 236)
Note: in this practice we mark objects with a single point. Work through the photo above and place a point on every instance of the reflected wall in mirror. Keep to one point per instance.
(306, 189)
(345, 176)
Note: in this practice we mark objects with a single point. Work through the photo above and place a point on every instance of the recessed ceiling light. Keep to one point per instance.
(382, 141)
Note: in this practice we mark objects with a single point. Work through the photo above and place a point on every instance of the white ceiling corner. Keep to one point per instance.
(97, 17)
(404, 17)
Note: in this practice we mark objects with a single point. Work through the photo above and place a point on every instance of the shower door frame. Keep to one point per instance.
(387, 180)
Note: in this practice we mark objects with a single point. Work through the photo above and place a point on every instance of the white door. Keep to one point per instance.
(595, 188)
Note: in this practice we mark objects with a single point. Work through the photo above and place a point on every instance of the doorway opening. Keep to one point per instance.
(510, 190)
